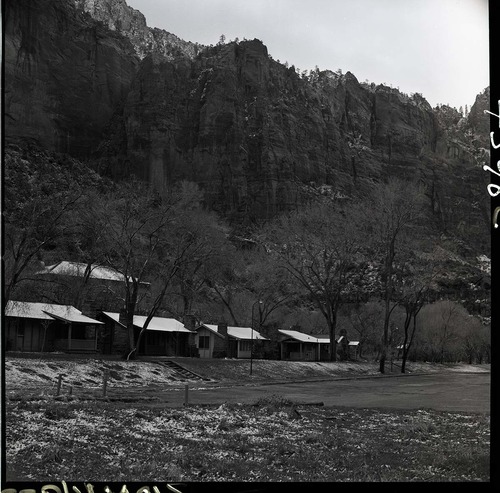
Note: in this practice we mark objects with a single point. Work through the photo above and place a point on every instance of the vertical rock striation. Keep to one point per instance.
(90, 78)
(65, 75)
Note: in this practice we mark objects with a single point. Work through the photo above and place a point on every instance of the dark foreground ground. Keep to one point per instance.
(434, 427)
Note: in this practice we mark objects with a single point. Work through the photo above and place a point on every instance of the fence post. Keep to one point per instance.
(186, 394)
(59, 382)
(105, 382)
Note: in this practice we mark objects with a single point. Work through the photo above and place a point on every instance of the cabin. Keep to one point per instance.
(163, 336)
(38, 327)
(223, 341)
(81, 269)
(298, 346)
(89, 287)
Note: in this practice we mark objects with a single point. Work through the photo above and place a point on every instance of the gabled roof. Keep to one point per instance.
(78, 269)
(211, 328)
(323, 339)
(160, 324)
(317, 338)
(299, 336)
(47, 311)
(242, 333)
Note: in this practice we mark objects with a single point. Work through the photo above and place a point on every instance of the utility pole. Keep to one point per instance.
(251, 335)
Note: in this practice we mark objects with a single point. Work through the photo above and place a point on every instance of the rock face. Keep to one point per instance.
(65, 75)
(90, 78)
(257, 136)
(117, 16)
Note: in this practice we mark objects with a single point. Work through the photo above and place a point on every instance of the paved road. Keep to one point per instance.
(466, 392)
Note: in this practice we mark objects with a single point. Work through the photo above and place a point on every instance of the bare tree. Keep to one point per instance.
(136, 222)
(413, 296)
(392, 209)
(444, 327)
(37, 205)
(166, 242)
(208, 249)
(263, 282)
(364, 319)
(319, 248)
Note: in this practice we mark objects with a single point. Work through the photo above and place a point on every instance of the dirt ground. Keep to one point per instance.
(288, 421)
(155, 380)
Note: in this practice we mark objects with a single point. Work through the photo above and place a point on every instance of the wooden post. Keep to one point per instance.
(186, 394)
(69, 337)
(105, 382)
(70, 392)
(59, 382)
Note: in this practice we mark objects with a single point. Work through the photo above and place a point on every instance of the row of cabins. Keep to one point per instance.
(42, 327)
(38, 327)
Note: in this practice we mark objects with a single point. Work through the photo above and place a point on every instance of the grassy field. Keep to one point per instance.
(272, 439)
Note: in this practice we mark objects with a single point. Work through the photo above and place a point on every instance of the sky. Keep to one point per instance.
(439, 48)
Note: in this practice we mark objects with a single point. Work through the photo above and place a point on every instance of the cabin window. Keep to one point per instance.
(245, 345)
(204, 342)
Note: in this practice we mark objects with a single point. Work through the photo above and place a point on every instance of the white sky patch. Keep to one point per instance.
(437, 48)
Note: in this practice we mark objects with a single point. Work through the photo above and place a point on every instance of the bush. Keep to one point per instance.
(220, 354)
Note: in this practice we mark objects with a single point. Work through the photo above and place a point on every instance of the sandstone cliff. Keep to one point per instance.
(90, 78)
(117, 16)
(65, 75)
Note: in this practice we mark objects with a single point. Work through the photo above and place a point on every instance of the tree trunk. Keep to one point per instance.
(403, 362)
(387, 301)
(79, 298)
(156, 305)
(385, 336)
(130, 310)
(139, 339)
(405, 340)
(405, 354)
(382, 361)
(333, 345)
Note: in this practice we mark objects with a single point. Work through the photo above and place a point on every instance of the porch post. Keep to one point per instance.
(95, 333)
(69, 337)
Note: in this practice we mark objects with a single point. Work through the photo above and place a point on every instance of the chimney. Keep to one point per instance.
(190, 322)
(222, 329)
